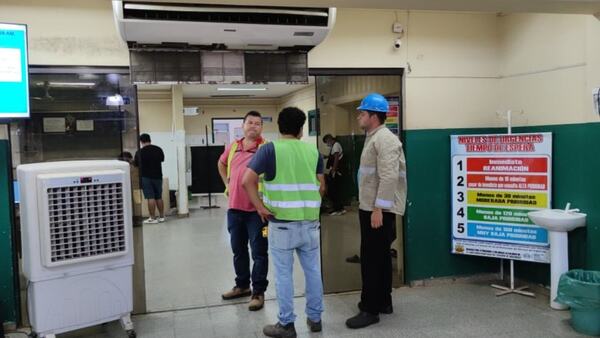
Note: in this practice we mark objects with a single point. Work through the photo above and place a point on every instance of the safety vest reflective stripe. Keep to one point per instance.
(384, 203)
(291, 187)
(367, 170)
(292, 204)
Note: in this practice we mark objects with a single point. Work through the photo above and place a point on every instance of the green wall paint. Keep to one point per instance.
(576, 179)
(8, 290)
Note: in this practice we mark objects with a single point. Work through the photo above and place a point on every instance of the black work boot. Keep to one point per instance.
(314, 326)
(363, 319)
(280, 331)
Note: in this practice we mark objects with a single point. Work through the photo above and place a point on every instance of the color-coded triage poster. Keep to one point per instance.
(392, 117)
(496, 181)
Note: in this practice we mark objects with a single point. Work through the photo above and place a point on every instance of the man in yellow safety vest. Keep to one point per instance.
(243, 222)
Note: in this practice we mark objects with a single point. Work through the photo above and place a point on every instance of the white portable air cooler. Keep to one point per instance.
(77, 244)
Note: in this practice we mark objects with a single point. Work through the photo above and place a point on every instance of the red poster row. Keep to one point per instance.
(508, 164)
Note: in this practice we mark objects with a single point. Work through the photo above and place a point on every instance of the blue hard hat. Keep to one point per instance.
(374, 102)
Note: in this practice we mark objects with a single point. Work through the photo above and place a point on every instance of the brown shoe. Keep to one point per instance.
(256, 302)
(236, 293)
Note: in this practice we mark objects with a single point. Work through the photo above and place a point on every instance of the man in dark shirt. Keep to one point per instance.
(149, 159)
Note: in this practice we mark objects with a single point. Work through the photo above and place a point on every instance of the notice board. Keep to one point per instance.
(496, 181)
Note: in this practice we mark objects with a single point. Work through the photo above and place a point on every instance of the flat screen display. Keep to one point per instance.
(14, 79)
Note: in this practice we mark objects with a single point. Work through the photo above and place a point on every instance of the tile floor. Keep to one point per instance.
(453, 310)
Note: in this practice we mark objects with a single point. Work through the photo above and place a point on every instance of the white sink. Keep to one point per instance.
(557, 219)
(558, 222)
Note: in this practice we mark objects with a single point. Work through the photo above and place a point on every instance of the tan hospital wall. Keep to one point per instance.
(550, 65)
(209, 109)
(68, 32)
(463, 66)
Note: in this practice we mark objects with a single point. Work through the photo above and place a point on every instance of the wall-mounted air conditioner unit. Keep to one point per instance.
(181, 26)
(76, 225)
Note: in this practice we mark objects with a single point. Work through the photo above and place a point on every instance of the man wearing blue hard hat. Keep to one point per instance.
(382, 196)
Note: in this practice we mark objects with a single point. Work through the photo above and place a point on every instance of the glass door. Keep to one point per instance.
(338, 93)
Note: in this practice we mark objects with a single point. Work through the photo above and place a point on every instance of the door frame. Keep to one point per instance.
(330, 71)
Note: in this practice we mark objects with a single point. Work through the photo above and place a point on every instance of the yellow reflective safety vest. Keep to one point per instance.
(230, 155)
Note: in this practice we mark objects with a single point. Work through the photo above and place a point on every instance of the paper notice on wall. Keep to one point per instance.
(85, 125)
(10, 65)
(54, 125)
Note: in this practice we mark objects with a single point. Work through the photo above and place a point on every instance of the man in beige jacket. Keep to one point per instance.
(382, 196)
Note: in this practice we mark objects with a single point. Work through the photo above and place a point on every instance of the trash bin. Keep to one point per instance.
(580, 290)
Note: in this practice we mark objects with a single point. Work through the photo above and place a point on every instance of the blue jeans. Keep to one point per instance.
(304, 238)
(247, 227)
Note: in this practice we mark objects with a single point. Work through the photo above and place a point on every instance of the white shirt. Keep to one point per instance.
(337, 148)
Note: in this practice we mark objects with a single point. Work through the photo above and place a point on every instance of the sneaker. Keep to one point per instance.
(236, 292)
(314, 326)
(150, 220)
(280, 331)
(256, 302)
(338, 213)
(363, 319)
(161, 220)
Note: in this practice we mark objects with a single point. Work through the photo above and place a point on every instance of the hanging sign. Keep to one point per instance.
(496, 181)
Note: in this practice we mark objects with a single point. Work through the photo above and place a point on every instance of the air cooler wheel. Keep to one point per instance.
(131, 334)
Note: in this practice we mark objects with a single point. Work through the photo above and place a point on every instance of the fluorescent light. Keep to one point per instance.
(114, 100)
(68, 84)
(237, 89)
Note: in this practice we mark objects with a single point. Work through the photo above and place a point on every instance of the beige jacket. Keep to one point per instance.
(382, 173)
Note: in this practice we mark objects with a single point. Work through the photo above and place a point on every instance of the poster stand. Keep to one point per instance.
(510, 289)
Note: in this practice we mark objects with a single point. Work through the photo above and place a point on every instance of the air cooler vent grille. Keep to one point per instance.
(86, 221)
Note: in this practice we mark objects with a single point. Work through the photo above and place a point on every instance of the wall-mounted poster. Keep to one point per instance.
(496, 181)
(227, 130)
(392, 120)
(55, 124)
(85, 125)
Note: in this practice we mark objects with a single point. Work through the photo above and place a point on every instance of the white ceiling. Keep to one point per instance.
(203, 91)
(506, 6)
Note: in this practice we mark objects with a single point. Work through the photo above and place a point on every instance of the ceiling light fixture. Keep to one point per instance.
(115, 100)
(72, 84)
(234, 89)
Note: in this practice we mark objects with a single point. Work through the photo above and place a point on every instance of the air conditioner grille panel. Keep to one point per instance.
(86, 221)
(228, 14)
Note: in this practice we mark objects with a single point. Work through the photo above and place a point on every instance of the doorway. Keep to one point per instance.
(338, 93)
(188, 261)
